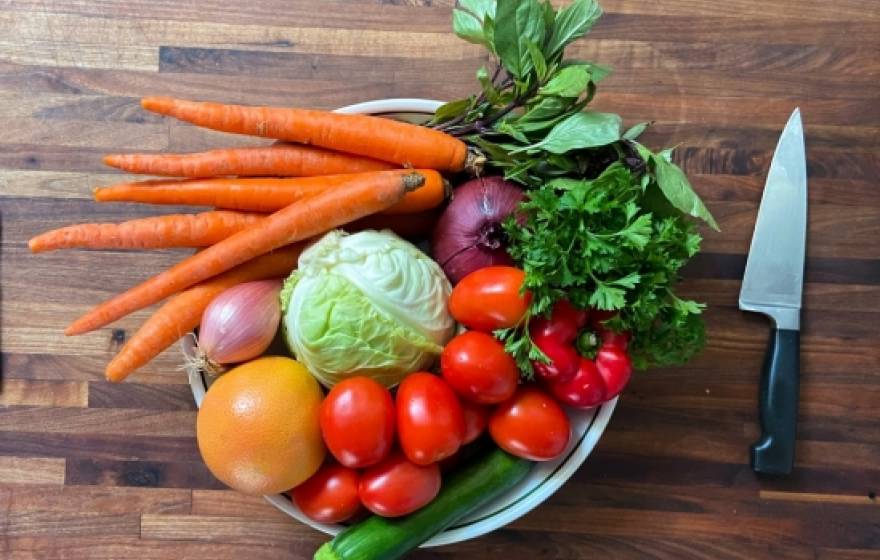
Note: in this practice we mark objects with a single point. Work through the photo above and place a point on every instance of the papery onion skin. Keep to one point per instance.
(469, 234)
(241, 322)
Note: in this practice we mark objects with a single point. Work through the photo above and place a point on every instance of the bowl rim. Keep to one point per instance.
(576, 453)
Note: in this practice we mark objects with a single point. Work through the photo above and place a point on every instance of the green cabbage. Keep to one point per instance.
(366, 304)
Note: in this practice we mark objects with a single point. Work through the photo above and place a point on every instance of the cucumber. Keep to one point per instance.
(381, 538)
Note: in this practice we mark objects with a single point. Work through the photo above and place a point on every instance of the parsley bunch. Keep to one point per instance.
(608, 223)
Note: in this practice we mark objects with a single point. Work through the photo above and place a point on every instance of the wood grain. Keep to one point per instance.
(94, 470)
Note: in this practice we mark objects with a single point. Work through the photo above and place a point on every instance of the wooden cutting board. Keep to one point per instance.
(93, 470)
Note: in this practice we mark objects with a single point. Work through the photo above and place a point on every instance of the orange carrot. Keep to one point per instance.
(267, 194)
(384, 139)
(307, 218)
(280, 159)
(156, 232)
(182, 313)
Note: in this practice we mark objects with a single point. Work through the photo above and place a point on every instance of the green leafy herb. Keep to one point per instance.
(608, 223)
(449, 110)
(516, 25)
(572, 23)
(580, 130)
(591, 242)
(468, 22)
(636, 130)
(677, 189)
(571, 81)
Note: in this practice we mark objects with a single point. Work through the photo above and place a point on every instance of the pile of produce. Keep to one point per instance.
(382, 341)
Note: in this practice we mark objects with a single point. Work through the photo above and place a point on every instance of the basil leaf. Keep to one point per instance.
(512, 131)
(543, 115)
(537, 60)
(489, 33)
(451, 109)
(479, 8)
(597, 71)
(569, 82)
(468, 21)
(488, 87)
(516, 23)
(677, 189)
(636, 130)
(572, 23)
(549, 14)
(580, 130)
(468, 27)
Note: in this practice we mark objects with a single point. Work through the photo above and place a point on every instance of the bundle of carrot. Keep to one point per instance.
(331, 170)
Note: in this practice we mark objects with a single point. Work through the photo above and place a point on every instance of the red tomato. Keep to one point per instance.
(477, 367)
(584, 390)
(563, 324)
(615, 368)
(530, 425)
(330, 495)
(564, 359)
(475, 419)
(430, 421)
(357, 422)
(397, 487)
(488, 299)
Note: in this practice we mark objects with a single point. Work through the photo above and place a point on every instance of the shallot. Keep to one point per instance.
(240, 323)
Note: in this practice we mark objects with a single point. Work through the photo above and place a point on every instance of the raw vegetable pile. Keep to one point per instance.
(550, 275)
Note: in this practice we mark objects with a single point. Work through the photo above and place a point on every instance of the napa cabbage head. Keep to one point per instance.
(368, 304)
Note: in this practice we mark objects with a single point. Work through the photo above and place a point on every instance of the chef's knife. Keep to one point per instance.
(772, 285)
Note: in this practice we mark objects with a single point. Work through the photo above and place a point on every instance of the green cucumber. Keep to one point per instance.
(381, 538)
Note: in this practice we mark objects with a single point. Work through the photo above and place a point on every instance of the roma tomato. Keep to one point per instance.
(477, 367)
(475, 418)
(584, 390)
(357, 422)
(489, 298)
(530, 425)
(615, 368)
(330, 495)
(430, 421)
(397, 487)
(563, 324)
(563, 356)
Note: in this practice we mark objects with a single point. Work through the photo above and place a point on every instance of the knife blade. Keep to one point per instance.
(773, 285)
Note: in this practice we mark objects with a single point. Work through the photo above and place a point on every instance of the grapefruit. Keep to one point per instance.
(258, 428)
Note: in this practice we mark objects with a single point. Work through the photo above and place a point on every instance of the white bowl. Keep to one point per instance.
(544, 478)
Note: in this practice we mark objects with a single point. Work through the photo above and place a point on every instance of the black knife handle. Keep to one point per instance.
(774, 452)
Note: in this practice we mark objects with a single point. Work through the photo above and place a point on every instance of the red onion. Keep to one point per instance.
(240, 323)
(470, 233)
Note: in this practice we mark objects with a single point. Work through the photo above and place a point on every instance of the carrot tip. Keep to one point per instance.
(74, 329)
(113, 375)
(157, 104)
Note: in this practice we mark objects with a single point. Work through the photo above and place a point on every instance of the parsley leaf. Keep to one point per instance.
(592, 242)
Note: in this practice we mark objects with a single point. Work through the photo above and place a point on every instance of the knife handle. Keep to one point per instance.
(774, 452)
